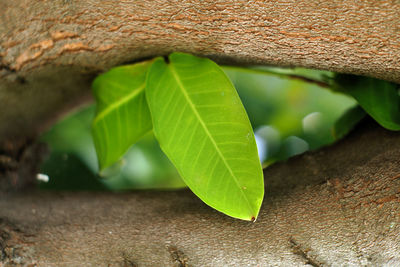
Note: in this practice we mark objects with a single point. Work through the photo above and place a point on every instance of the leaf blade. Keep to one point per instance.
(122, 116)
(380, 99)
(194, 139)
(347, 122)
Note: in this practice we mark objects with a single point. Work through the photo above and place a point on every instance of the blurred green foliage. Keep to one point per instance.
(72, 163)
(289, 116)
(379, 98)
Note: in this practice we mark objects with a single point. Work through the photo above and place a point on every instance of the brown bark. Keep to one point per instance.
(50, 50)
(339, 206)
(336, 207)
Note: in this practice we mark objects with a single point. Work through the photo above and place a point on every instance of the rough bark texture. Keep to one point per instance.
(339, 206)
(336, 207)
(50, 50)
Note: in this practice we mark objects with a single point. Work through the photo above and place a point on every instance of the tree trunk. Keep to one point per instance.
(338, 206)
(51, 50)
(335, 207)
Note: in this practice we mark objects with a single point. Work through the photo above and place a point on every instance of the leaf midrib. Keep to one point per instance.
(181, 87)
(120, 102)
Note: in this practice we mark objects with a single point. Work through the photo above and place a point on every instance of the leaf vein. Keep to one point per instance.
(205, 128)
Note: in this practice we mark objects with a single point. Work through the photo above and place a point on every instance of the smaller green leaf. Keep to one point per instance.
(122, 115)
(204, 130)
(347, 122)
(380, 99)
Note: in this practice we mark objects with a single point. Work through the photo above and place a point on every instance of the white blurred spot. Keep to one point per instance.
(141, 169)
(261, 147)
(42, 177)
(271, 140)
(312, 123)
(295, 145)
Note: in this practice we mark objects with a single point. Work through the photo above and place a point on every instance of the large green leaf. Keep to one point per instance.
(203, 128)
(122, 115)
(380, 99)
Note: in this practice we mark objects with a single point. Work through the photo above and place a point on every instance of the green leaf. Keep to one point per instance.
(347, 122)
(380, 99)
(122, 115)
(202, 127)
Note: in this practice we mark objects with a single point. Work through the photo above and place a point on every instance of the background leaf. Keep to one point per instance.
(203, 128)
(122, 115)
(347, 122)
(380, 99)
(72, 163)
(288, 115)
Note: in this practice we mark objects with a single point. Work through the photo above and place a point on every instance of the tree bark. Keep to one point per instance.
(338, 206)
(51, 50)
(335, 207)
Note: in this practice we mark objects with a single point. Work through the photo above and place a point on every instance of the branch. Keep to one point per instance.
(281, 75)
(338, 206)
(51, 50)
